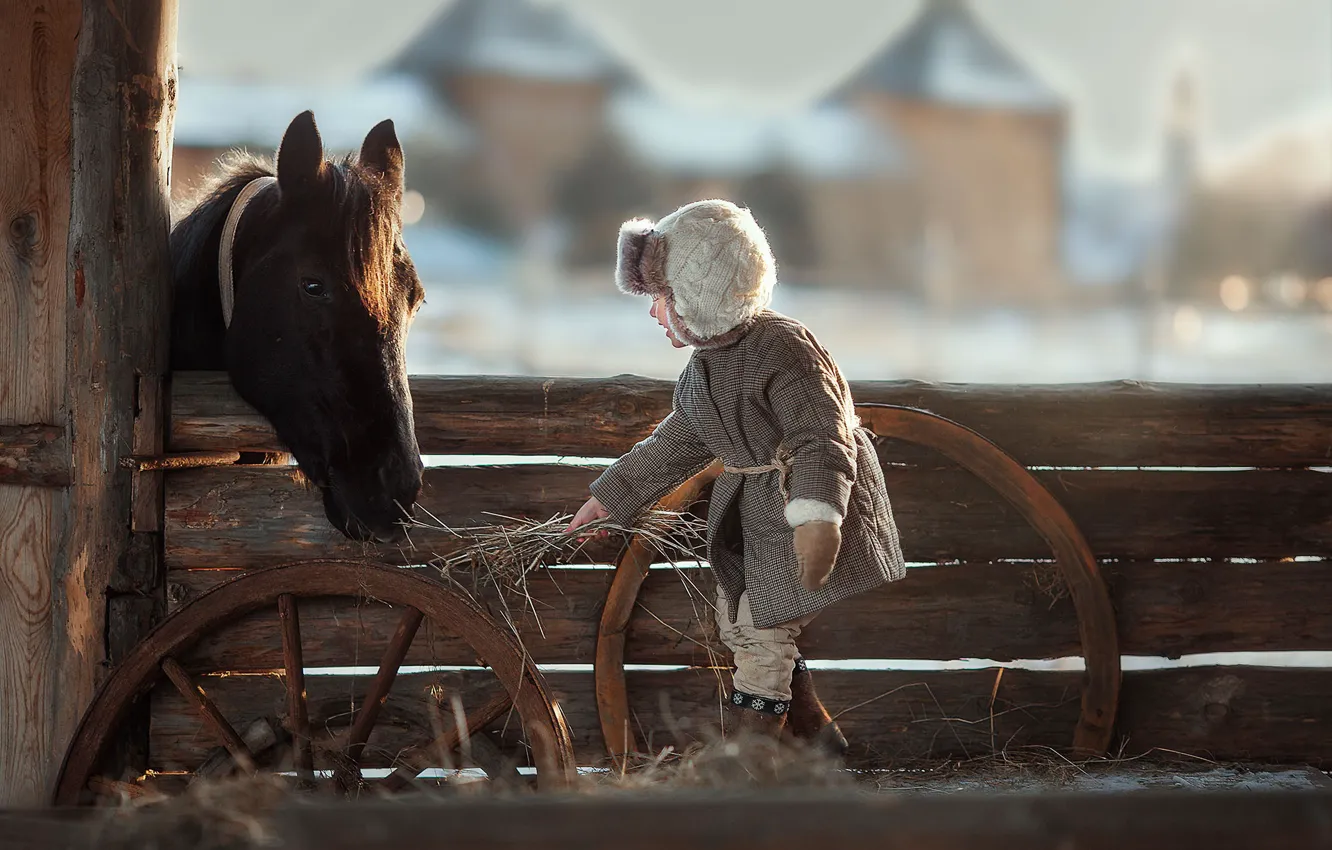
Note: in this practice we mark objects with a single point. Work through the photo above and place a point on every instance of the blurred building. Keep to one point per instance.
(936, 169)
(828, 184)
(939, 168)
(216, 116)
(985, 140)
(531, 84)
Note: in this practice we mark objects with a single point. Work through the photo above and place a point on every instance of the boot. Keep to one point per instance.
(768, 720)
(809, 720)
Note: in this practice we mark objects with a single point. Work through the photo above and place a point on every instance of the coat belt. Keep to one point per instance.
(780, 464)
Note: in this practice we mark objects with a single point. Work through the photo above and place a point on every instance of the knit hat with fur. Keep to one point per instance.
(712, 262)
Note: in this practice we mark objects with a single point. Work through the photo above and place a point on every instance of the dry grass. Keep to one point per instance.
(1039, 768)
(739, 761)
(504, 553)
(229, 814)
(499, 558)
(235, 813)
(214, 814)
(1047, 579)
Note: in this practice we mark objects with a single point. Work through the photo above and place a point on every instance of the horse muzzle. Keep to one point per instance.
(377, 512)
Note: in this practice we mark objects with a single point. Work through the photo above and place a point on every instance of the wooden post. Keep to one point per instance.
(88, 97)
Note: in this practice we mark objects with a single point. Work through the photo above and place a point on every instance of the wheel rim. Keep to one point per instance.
(498, 649)
(992, 465)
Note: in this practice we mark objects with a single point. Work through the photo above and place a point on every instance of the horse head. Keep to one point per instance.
(298, 284)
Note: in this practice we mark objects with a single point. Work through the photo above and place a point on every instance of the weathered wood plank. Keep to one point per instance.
(1268, 715)
(38, 46)
(713, 819)
(793, 818)
(246, 517)
(118, 292)
(346, 631)
(34, 456)
(894, 727)
(1103, 424)
(1007, 611)
(149, 428)
(48, 829)
(129, 616)
(997, 611)
(800, 818)
(29, 537)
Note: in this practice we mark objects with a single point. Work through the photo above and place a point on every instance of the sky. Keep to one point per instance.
(1259, 64)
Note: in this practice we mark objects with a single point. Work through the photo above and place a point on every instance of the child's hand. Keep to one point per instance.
(816, 546)
(591, 511)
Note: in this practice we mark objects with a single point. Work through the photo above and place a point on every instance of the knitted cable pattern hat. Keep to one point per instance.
(712, 262)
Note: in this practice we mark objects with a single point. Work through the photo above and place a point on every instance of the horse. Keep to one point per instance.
(295, 281)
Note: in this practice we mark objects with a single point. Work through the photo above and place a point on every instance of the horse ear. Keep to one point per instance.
(300, 160)
(382, 154)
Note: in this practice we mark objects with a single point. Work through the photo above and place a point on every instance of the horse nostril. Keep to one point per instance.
(401, 478)
(396, 472)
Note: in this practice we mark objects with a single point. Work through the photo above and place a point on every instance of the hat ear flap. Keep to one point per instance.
(640, 264)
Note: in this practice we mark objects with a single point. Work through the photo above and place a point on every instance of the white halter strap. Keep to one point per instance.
(226, 285)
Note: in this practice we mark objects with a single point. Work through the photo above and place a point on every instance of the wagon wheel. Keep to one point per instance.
(281, 587)
(1077, 564)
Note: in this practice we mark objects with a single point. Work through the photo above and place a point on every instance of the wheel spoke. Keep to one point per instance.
(260, 736)
(298, 716)
(208, 710)
(419, 759)
(378, 693)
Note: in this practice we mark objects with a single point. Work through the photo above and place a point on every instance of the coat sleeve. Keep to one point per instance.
(671, 455)
(813, 409)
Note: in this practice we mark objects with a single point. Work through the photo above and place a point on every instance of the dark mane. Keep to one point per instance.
(197, 329)
(194, 239)
(368, 209)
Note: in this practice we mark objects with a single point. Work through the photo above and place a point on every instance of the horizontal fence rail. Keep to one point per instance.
(1002, 612)
(1080, 425)
(249, 516)
(891, 717)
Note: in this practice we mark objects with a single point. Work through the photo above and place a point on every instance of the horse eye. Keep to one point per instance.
(313, 288)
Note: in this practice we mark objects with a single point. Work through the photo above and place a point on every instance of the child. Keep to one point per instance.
(801, 491)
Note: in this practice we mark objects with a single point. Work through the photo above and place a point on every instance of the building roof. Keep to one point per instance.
(516, 37)
(829, 140)
(214, 113)
(946, 54)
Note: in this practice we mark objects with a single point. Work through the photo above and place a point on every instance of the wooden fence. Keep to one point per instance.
(1205, 507)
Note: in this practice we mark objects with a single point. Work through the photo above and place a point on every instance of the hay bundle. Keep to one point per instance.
(497, 559)
(503, 554)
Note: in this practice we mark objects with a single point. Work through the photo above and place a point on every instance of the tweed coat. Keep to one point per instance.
(770, 392)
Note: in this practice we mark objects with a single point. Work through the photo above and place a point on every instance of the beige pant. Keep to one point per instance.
(764, 658)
